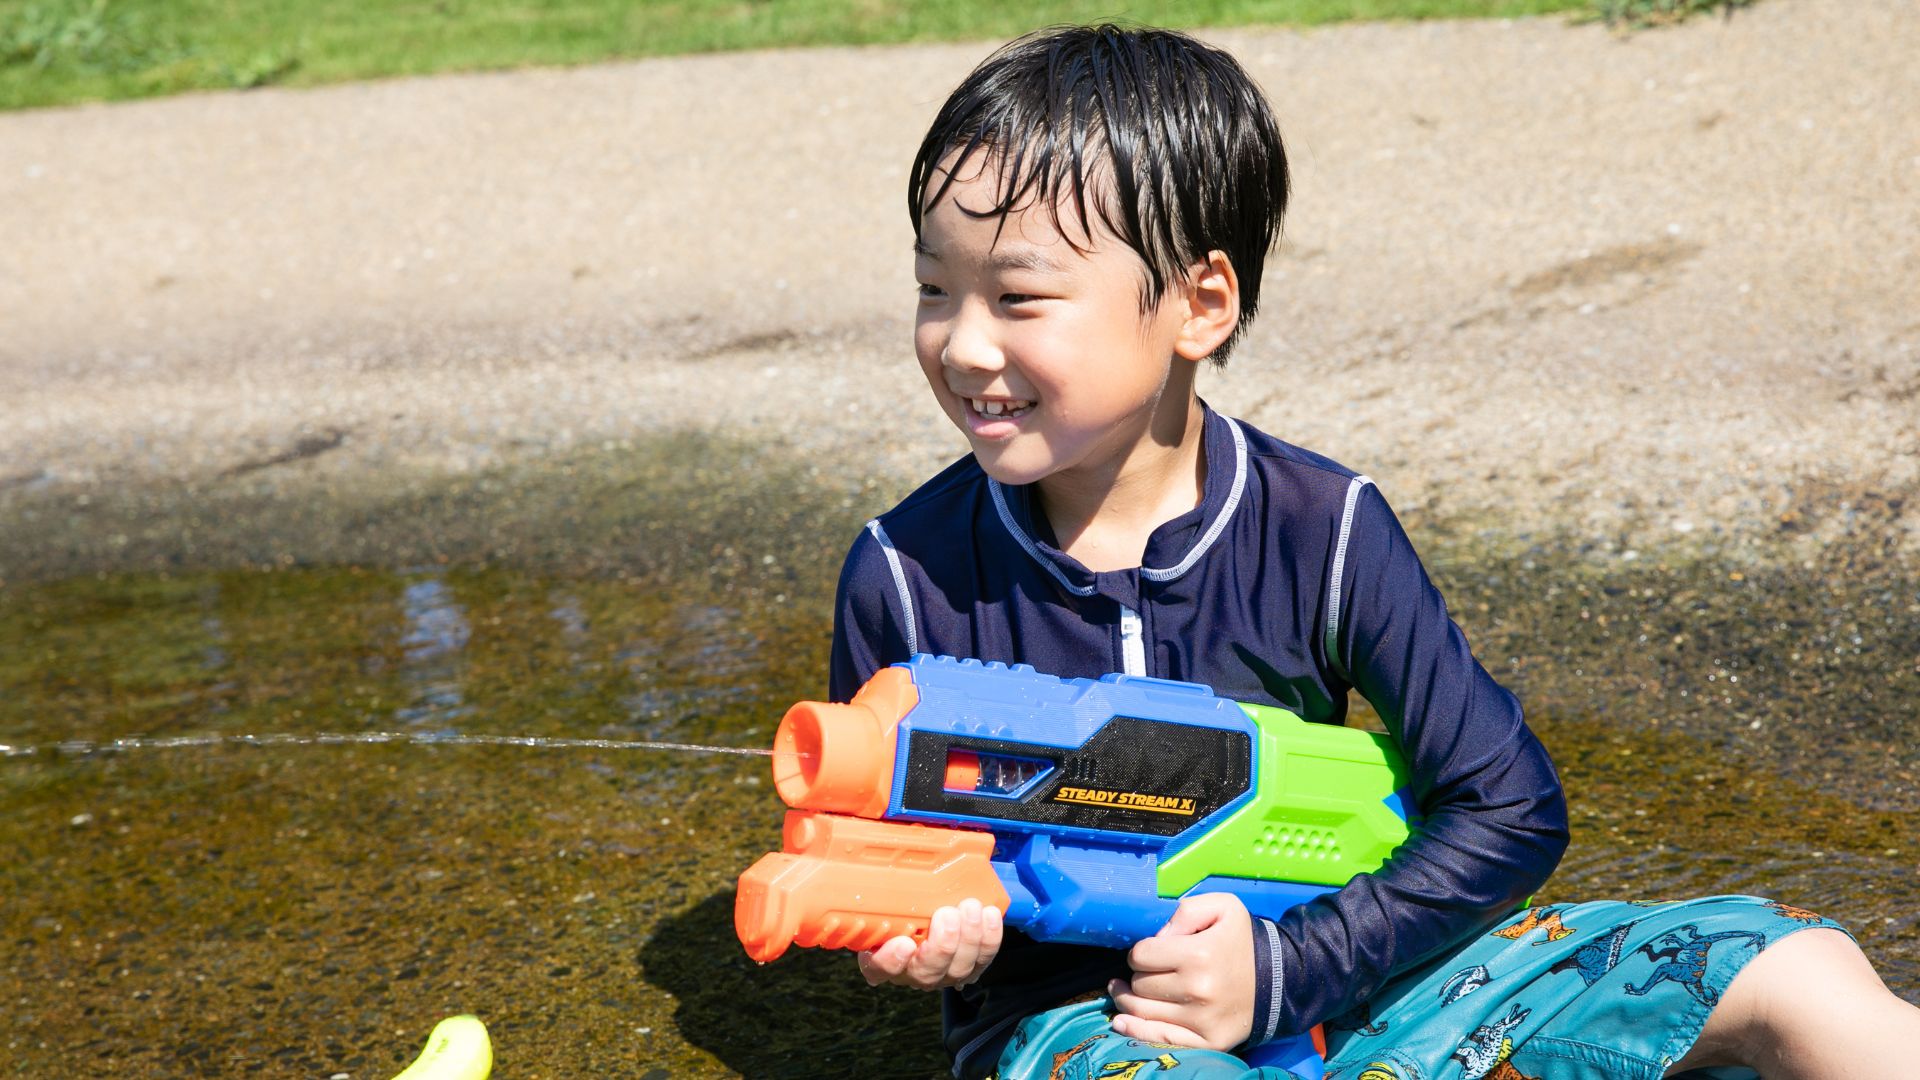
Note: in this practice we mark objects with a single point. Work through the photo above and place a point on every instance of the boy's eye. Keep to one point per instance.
(1017, 298)
(930, 291)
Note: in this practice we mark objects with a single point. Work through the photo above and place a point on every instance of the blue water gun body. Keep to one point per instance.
(1085, 809)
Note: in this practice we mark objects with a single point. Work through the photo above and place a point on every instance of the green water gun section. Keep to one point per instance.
(1317, 815)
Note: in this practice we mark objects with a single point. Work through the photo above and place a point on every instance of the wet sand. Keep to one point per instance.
(1645, 290)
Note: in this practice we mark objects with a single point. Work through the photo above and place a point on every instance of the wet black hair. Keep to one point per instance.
(1192, 158)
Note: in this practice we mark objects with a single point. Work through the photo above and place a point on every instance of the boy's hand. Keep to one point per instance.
(960, 943)
(1193, 981)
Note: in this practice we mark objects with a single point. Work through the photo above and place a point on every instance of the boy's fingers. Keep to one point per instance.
(930, 961)
(960, 943)
(886, 962)
(881, 961)
(991, 934)
(1163, 954)
(1189, 938)
(1168, 987)
(1195, 913)
(1134, 1027)
(1130, 1000)
(1150, 955)
(966, 953)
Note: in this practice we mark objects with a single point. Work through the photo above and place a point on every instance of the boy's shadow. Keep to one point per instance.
(807, 1014)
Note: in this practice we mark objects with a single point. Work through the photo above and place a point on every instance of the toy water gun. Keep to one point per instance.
(1084, 809)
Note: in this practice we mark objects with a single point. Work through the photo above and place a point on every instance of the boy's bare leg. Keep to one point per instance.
(1810, 1007)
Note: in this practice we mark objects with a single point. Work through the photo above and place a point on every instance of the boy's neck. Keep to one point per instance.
(1103, 515)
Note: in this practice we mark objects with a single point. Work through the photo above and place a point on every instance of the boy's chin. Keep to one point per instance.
(1007, 468)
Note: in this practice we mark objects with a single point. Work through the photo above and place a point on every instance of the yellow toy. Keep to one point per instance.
(458, 1049)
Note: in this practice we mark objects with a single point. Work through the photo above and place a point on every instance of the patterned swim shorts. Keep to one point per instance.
(1610, 990)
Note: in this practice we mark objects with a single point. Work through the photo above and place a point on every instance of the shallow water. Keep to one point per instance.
(314, 909)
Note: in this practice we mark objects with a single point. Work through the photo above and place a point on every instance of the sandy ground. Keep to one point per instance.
(1631, 289)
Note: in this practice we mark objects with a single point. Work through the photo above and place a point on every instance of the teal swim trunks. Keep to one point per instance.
(1610, 990)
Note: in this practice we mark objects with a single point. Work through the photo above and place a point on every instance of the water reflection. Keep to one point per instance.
(216, 657)
(699, 663)
(434, 633)
(567, 612)
(213, 652)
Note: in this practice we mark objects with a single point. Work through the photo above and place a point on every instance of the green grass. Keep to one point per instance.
(59, 52)
(56, 52)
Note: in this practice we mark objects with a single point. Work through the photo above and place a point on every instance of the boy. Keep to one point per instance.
(1092, 207)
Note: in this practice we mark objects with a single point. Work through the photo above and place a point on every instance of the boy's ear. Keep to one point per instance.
(1213, 307)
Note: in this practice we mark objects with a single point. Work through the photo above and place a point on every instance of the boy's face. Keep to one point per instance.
(1038, 351)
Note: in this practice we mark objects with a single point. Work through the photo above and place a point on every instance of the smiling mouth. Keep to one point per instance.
(1003, 410)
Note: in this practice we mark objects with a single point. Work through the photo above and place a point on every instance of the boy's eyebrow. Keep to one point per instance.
(1005, 259)
(1024, 259)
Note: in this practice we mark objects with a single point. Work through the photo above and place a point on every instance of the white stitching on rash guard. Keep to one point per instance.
(899, 583)
(1339, 571)
(1220, 520)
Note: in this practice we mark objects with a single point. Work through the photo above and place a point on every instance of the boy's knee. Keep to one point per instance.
(1771, 990)
(1817, 957)
(1767, 1007)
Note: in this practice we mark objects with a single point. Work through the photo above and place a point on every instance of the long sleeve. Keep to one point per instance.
(867, 629)
(1494, 816)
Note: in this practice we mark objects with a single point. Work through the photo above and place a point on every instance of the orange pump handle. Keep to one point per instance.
(853, 883)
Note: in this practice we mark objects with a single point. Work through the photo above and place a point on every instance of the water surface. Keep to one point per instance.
(311, 910)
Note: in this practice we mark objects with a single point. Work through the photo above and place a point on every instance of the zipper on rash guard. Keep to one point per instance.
(1133, 644)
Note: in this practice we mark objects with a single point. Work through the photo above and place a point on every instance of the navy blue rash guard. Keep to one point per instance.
(1289, 584)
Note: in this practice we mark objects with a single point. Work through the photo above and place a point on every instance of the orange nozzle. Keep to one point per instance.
(852, 883)
(839, 758)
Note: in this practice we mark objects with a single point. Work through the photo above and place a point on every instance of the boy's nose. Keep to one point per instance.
(970, 348)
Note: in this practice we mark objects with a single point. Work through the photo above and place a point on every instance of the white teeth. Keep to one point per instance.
(998, 408)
